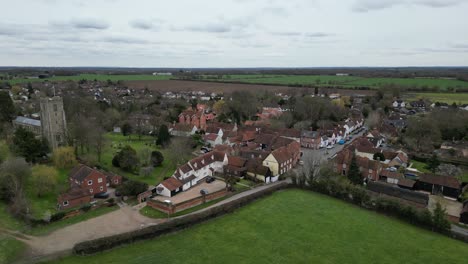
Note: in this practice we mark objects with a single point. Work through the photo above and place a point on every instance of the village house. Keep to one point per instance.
(398, 104)
(236, 166)
(195, 117)
(311, 139)
(283, 159)
(73, 198)
(192, 172)
(85, 177)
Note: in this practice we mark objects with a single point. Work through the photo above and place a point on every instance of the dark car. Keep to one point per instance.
(209, 179)
(101, 195)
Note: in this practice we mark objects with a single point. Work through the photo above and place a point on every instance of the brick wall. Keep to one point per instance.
(174, 208)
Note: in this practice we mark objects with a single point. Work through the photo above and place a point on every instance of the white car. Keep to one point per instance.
(329, 146)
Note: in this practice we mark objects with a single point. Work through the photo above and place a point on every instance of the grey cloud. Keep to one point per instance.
(89, 23)
(287, 33)
(278, 11)
(210, 28)
(124, 40)
(317, 35)
(370, 5)
(142, 24)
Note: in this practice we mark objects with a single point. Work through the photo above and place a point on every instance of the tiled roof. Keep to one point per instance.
(236, 161)
(447, 181)
(74, 193)
(172, 183)
(80, 172)
(406, 183)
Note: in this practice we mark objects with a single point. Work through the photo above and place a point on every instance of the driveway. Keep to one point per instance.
(125, 219)
(193, 192)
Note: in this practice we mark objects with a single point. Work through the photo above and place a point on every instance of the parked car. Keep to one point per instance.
(101, 195)
(329, 146)
(210, 179)
(341, 142)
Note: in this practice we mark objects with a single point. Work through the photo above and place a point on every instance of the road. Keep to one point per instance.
(324, 154)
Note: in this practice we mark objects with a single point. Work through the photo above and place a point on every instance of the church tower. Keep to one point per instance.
(54, 124)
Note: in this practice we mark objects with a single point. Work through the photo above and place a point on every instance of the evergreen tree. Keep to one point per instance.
(354, 175)
(439, 218)
(26, 145)
(7, 109)
(163, 137)
(433, 163)
(126, 129)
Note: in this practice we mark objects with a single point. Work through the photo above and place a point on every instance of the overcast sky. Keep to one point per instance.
(234, 33)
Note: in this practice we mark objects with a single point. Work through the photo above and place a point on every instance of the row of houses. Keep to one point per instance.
(329, 136)
(377, 164)
(260, 153)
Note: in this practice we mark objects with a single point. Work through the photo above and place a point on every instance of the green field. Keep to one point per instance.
(99, 77)
(292, 226)
(112, 147)
(10, 249)
(449, 98)
(342, 81)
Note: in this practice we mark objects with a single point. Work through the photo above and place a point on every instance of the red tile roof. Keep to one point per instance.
(446, 181)
(172, 183)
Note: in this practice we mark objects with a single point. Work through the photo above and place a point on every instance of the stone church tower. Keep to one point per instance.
(54, 124)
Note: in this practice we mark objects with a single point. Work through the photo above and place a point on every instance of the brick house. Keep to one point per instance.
(236, 166)
(74, 198)
(310, 139)
(194, 118)
(85, 177)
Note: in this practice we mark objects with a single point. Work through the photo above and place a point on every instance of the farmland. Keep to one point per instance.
(460, 98)
(99, 77)
(343, 81)
(292, 226)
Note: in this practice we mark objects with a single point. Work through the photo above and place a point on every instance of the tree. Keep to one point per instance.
(126, 159)
(97, 140)
(7, 109)
(26, 145)
(230, 181)
(179, 151)
(132, 188)
(219, 107)
(44, 179)
(126, 129)
(374, 120)
(14, 173)
(64, 157)
(4, 151)
(439, 218)
(144, 154)
(157, 158)
(422, 134)
(354, 175)
(163, 136)
(433, 163)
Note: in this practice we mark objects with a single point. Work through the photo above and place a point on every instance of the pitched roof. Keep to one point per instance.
(27, 121)
(391, 174)
(172, 183)
(236, 161)
(406, 183)
(74, 193)
(446, 181)
(81, 172)
(281, 154)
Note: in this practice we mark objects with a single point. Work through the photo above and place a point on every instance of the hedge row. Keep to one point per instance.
(359, 196)
(175, 224)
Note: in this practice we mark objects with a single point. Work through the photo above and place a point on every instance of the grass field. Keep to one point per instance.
(10, 249)
(343, 81)
(292, 226)
(459, 98)
(112, 147)
(99, 77)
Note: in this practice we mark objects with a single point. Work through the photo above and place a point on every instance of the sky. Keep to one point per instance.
(234, 33)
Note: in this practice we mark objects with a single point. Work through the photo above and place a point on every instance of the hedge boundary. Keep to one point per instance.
(175, 224)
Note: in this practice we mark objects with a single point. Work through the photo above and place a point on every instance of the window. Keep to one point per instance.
(91, 190)
(101, 188)
(90, 182)
(99, 180)
(65, 203)
(55, 107)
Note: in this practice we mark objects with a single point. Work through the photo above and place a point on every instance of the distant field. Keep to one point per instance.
(459, 98)
(99, 77)
(292, 226)
(343, 81)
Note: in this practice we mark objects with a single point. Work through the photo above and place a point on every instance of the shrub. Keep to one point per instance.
(157, 158)
(85, 207)
(132, 188)
(57, 216)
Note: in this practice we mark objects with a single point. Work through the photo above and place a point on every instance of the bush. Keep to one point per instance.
(157, 158)
(132, 188)
(57, 216)
(85, 207)
(111, 201)
(127, 159)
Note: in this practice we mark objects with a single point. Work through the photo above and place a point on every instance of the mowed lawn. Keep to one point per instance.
(292, 226)
(116, 141)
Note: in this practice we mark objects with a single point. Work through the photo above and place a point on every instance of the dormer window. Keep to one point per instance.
(212, 157)
(90, 182)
